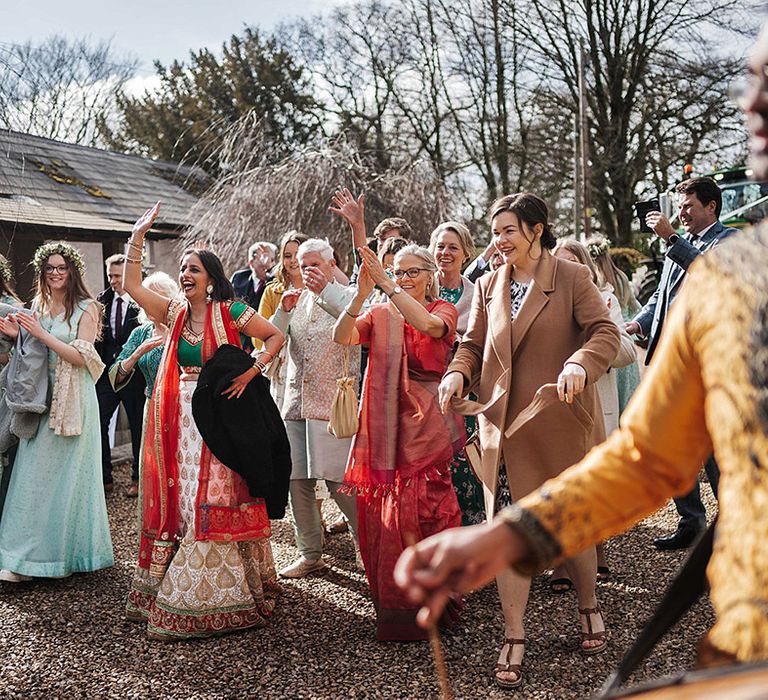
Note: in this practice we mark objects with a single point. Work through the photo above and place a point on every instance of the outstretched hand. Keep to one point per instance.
(145, 221)
(455, 561)
(365, 283)
(348, 208)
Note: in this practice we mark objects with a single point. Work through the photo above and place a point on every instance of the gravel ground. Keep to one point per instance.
(69, 638)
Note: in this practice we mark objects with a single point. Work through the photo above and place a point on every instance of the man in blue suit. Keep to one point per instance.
(699, 205)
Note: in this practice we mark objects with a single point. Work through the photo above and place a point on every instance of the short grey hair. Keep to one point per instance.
(316, 245)
(428, 262)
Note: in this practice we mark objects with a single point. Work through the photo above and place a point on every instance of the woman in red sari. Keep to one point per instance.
(399, 464)
(205, 563)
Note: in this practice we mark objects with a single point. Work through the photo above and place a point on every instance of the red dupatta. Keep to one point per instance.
(160, 512)
(402, 432)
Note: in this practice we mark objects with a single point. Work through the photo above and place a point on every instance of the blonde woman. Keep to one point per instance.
(452, 245)
(627, 378)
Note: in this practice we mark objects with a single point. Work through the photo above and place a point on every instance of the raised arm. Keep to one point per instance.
(154, 304)
(353, 212)
(345, 331)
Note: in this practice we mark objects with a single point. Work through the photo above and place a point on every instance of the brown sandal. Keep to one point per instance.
(507, 667)
(590, 635)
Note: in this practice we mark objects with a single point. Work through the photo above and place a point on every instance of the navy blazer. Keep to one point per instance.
(242, 281)
(678, 259)
(108, 346)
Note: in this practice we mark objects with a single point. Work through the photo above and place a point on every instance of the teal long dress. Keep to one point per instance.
(55, 518)
(469, 491)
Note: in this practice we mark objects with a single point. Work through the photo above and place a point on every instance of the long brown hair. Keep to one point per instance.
(281, 274)
(75, 292)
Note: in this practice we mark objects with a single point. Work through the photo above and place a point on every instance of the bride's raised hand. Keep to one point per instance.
(145, 221)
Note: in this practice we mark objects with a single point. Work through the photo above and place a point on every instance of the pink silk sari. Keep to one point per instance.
(399, 461)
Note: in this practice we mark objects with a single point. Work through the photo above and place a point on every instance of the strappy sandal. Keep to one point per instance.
(591, 635)
(507, 667)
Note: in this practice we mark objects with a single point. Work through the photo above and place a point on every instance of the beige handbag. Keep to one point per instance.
(343, 422)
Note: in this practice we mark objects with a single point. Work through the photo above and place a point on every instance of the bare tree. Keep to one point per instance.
(654, 89)
(61, 88)
(259, 200)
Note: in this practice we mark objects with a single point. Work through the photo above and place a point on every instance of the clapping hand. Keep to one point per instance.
(348, 208)
(365, 283)
(9, 326)
(31, 324)
(314, 279)
(373, 266)
(290, 299)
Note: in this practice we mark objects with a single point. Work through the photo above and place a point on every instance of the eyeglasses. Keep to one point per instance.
(411, 273)
(61, 269)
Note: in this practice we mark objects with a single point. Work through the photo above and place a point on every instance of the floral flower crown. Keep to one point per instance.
(596, 249)
(70, 253)
(5, 270)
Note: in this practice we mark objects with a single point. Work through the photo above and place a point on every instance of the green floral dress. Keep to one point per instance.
(469, 491)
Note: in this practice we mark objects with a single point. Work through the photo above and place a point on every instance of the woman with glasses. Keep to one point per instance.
(400, 457)
(55, 517)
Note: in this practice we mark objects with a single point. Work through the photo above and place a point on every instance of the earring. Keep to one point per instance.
(209, 291)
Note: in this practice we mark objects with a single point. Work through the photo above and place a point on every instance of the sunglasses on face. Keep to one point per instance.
(411, 273)
(50, 269)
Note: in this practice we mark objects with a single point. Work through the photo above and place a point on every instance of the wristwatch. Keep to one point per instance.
(396, 290)
(673, 238)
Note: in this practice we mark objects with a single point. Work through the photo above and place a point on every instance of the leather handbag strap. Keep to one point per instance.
(686, 588)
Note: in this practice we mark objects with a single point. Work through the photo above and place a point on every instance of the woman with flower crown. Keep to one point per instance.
(205, 562)
(55, 517)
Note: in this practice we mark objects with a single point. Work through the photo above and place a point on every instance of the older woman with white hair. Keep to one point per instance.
(314, 363)
(143, 350)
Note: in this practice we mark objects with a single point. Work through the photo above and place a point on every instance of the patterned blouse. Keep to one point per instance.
(517, 292)
(452, 296)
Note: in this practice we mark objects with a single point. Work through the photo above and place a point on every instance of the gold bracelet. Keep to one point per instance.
(260, 366)
(135, 261)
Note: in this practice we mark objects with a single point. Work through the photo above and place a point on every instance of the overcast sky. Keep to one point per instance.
(151, 29)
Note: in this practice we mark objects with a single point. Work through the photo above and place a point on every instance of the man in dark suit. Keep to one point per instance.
(120, 318)
(250, 282)
(699, 205)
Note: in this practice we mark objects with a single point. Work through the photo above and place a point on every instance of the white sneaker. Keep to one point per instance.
(302, 567)
(11, 577)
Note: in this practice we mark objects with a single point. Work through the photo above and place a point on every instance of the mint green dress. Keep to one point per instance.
(55, 517)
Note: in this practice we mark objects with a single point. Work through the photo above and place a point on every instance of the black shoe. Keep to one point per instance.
(683, 538)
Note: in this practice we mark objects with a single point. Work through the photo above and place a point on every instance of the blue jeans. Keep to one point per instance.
(690, 508)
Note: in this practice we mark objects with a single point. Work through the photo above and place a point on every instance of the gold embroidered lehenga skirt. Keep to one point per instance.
(209, 587)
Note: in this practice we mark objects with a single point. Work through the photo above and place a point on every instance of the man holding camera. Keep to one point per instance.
(699, 204)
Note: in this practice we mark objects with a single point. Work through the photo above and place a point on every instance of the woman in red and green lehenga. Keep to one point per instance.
(399, 464)
(205, 563)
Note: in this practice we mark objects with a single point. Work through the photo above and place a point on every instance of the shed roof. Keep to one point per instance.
(94, 182)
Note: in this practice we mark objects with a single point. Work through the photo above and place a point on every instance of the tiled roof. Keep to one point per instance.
(24, 213)
(94, 182)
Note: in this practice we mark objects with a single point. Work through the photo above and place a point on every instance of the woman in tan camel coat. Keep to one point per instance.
(539, 337)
